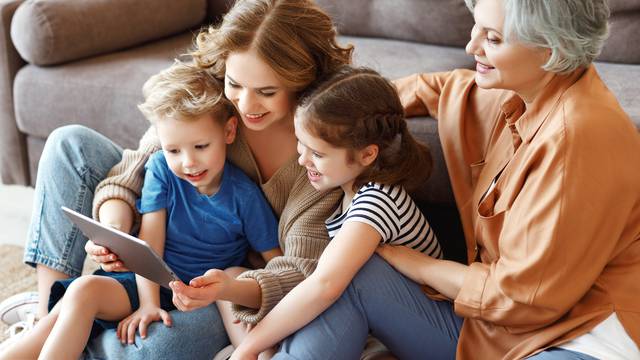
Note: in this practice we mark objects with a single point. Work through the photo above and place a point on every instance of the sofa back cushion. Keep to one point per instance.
(48, 32)
(622, 44)
(438, 22)
(217, 8)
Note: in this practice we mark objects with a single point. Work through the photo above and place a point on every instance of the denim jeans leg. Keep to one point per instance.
(392, 307)
(197, 334)
(340, 332)
(74, 160)
(400, 315)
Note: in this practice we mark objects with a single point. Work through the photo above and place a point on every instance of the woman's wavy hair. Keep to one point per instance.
(295, 37)
(356, 107)
(574, 30)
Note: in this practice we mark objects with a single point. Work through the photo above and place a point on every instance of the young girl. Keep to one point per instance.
(352, 134)
(198, 210)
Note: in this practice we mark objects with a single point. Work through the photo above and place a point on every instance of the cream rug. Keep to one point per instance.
(15, 277)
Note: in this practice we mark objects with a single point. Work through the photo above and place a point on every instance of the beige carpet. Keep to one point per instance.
(15, 277)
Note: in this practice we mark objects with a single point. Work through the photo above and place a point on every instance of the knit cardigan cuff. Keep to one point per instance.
(111, 192)
(274, 286)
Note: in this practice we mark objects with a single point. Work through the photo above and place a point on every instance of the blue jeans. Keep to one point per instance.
(392, 307)
(396, 311)
(74, 160)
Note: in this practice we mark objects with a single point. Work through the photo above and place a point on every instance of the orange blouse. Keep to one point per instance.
(554, 246)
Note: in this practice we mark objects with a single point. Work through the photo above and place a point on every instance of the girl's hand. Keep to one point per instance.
(407, 261)
(247, 326)
(141, 318)
(201, 291)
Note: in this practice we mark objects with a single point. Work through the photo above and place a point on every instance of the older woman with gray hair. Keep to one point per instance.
(545, 171)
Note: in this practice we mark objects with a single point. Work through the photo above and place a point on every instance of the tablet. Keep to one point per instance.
(135, 254)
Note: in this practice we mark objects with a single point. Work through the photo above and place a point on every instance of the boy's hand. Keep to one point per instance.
(141, 318)
(107, 260)
(201, 291)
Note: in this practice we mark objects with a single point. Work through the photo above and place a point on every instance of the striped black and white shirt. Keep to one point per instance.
(392, 213)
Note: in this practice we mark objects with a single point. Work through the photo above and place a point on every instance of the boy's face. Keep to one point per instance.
(195, 149)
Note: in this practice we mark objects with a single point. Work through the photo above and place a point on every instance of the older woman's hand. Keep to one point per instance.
(443, 275)
(407, 261)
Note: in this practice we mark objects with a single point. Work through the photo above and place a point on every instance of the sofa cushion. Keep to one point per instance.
(47, 32)
(217, 8)
(439, 22)
(617, 6)
(624, 27)
(624, 82)
(394, 59)
(101, 92)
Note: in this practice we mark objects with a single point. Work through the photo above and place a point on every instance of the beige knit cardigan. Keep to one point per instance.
(301, 209)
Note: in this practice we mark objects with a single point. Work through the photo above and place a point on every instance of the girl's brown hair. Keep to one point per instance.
(294, 37)
(356, 107)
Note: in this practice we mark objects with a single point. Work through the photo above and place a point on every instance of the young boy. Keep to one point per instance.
(198, 210)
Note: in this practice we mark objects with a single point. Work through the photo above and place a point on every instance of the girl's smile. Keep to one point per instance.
(313, 175)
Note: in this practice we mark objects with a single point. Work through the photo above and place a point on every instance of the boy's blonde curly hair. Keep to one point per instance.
(184, 91)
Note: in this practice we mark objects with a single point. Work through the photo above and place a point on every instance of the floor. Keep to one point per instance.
(15, 213)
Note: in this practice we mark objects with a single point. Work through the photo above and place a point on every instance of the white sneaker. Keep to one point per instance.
(18, 330)
(17, 308)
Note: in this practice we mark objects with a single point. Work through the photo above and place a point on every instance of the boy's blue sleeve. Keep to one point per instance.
(156, 185)
(259, 221)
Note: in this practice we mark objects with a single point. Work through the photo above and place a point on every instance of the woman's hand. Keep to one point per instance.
(118, 215)
(141, 318)
(201, 291)
(445, 276)
(407, 261)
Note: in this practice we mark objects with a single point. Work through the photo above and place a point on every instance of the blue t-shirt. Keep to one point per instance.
(205, 232)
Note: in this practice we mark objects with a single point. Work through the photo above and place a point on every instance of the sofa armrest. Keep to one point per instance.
(49, 32)
(13, 157)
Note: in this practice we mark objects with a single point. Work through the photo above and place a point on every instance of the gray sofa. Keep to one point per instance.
(84, 62)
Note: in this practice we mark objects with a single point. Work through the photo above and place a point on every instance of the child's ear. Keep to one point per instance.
(368, 155)
(230, 129)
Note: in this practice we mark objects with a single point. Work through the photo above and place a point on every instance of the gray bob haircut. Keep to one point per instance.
(574, 30)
